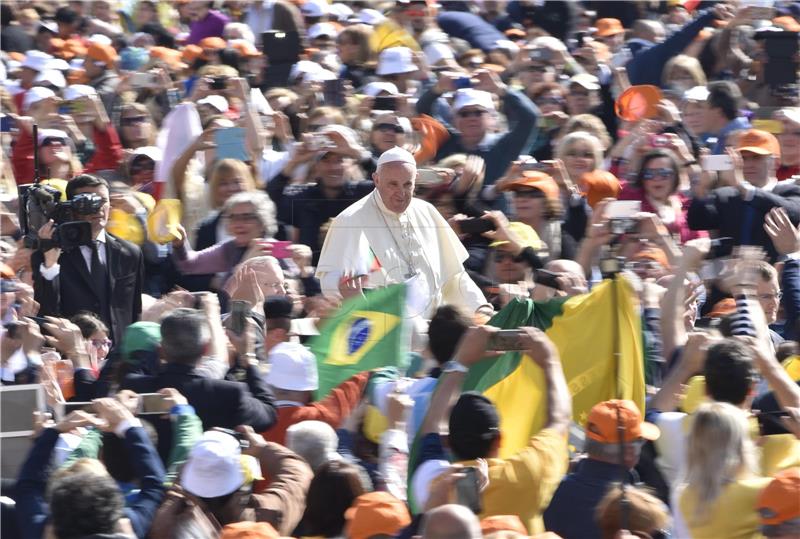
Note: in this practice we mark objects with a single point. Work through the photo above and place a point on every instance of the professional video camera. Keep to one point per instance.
(40, 203)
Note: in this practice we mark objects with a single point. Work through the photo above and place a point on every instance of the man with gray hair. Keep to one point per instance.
(409, 239)
(315, 441)
(450, 522)
(185, 338)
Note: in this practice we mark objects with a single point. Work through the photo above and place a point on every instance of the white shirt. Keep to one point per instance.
(53, 271)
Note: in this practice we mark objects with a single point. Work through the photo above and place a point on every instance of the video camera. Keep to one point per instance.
(40, 203)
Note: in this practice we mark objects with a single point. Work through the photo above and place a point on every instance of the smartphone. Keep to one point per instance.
(468, 490)
(623, 209)
(153, 404)
(217, 83)
(66, 408)
(535, 165)
(385, 102)
(658, 141)
(333, 93)
(230, 143)
(142, 80)
(462, 82)
(281, 47)
(239, 312)
(320, 141)
(546, 278)
(280, 249)
(476, 225)
(717, 163)
(507, 339)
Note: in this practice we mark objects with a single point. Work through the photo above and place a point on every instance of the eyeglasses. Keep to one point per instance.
(582, 155)
(242, 217)
(475, 113)
(133, 120)
(53, 142)
(389, 127)
(653, 173)
(529, 193)
(101, 343)
(770, 297)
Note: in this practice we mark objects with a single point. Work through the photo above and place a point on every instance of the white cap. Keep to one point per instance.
(292, 367)
(101, 38)
(470, 97)
(371, 16)
(315, 8)
(698, 93)
(436, 52)
(548, 42)
(302, 67)
(424, 476)
(341, 11)
(216, 101)
(214, 466)
(395, 60)
(153, 152)
(320, 76)
(374, 88)
(76, 91)
(508, 46)
(34, 95)
(45, 134)
(51, 26)
(396, 155)
(590, 82)
(51, 76)
(37, 60)
(322, 29)
(259, 102)
(75, 63)
(790, 114)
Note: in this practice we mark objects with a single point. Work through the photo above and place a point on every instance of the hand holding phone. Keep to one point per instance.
(468, 489)
(717, 163)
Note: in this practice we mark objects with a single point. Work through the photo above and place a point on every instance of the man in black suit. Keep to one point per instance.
(750, 191)
(185, 339)
(104, 278)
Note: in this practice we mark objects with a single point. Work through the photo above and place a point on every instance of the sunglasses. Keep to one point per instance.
(653, 173)
(585, 93)
(501, 256)
(389, 127)
(476, 113)
(242, 217)
(133, 120)
(53, 142)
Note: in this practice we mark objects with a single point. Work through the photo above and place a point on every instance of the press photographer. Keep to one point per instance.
(103, 276)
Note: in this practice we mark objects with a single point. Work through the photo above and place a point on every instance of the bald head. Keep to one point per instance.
(650, 30)
(451, 522)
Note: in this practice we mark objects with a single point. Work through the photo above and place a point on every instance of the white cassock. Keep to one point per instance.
(416, 247)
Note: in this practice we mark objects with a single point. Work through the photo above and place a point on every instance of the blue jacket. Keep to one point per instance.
(471, 28)
(498, 150)
(648, 62)
(32, 511)
(571, 511)
(722, 138)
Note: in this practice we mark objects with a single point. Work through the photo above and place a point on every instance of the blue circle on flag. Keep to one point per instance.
(359, 333)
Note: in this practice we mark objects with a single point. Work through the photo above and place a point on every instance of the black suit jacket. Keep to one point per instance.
(725, 210)
(218, 403)
(73, 290)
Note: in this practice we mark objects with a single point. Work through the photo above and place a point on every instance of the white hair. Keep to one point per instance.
(239, 30)
(315, 441)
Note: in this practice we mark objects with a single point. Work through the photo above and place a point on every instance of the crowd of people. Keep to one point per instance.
(191, 188)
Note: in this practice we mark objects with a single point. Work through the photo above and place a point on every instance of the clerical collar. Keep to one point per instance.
(383, 208)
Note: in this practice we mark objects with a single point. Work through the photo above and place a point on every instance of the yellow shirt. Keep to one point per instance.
(732, 516)
(524, 484)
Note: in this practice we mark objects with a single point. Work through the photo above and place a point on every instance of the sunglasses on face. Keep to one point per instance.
(477, 113)
(653, 173)
(53, 142)
(584, 93)
(136, 169)
(242, 217)
(389, 127)
(133, 120)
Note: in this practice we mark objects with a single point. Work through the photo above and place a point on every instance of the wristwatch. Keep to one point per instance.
(454, 366)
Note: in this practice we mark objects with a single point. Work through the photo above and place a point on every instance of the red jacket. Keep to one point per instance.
(332, 410)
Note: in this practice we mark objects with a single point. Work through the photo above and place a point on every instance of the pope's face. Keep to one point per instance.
(395, 184)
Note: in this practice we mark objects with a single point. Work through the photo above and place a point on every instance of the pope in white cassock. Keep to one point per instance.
(410, 240)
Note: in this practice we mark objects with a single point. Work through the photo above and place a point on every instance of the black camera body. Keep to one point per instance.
(780, 69)
(40, 203)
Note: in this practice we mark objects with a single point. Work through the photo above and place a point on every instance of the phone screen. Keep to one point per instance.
(230, 143)
(153, 403)
(280, 249)
(239, 310)
(467, 490)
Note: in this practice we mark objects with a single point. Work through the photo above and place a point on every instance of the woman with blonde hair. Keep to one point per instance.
(358, 58)
(581, 153)
(683, 72)
(721, 489)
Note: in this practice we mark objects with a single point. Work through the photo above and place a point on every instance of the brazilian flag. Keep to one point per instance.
(599, 338)
(366, 333)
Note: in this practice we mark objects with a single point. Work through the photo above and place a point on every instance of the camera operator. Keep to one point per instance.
(104, 277)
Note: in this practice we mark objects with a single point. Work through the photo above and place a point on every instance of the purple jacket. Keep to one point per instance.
(212, 26)
(219, 258)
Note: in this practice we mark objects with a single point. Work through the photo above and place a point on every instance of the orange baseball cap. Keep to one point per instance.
(101, 52)
(779, 502)
(249, 530)
(6, 272)
(171, 57)
(723, 307)
(787, 23)
(245, 48)
(758, 142)
(652, 253)
(608, 27)
(532, 179)
(604, 418)
(502, 523)
(599, 184)
(212, 43)
(190, 53)
(376, 513)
